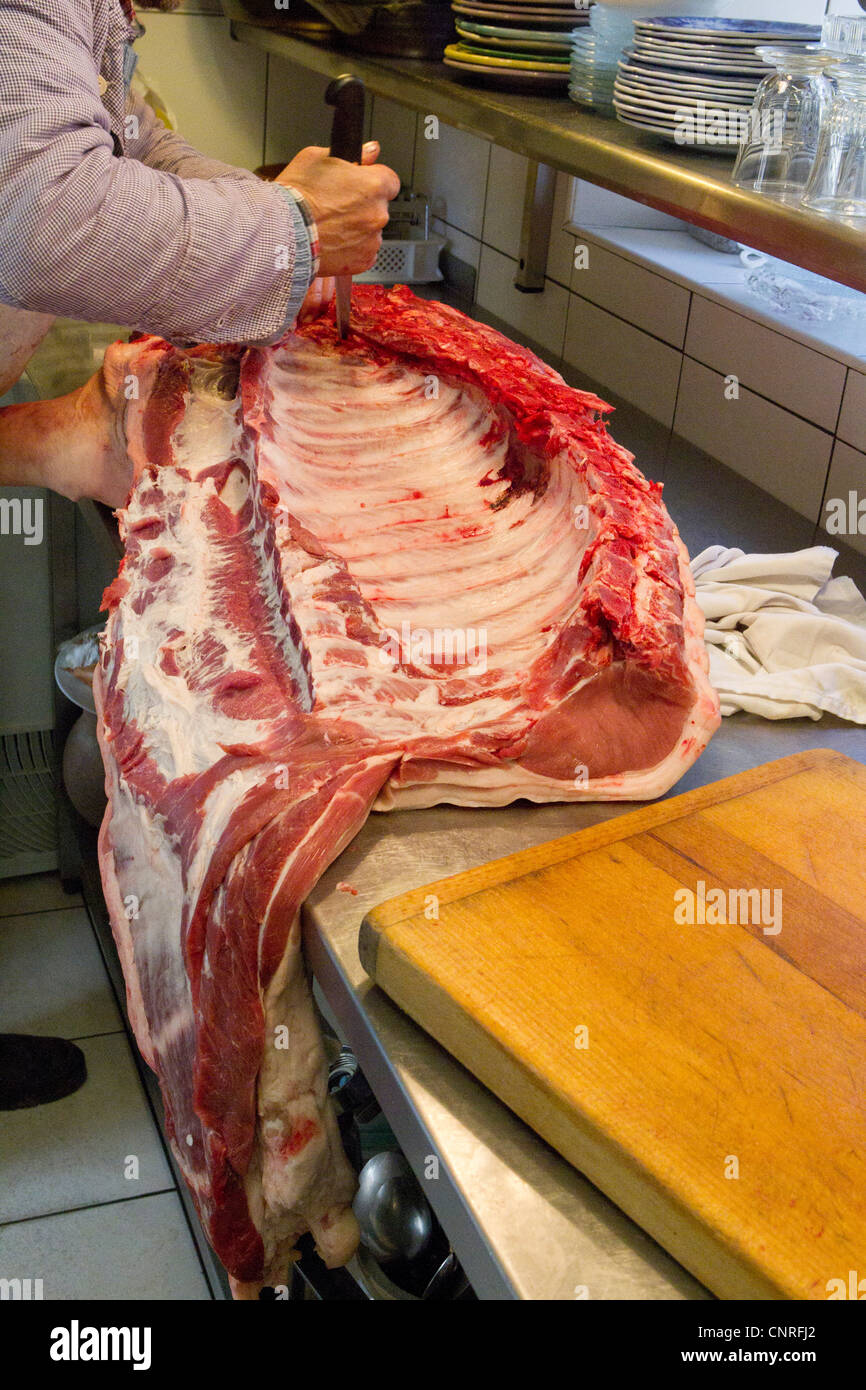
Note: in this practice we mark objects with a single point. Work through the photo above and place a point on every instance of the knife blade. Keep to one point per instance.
(346, 95)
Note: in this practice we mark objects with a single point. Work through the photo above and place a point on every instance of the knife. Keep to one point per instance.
(346, 95)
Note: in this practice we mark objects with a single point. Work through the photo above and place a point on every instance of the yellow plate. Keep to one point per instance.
(459, 52)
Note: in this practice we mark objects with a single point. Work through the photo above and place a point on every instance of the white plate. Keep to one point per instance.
(701, 65)
(663, 72)
(657, 127)
(75, 689)
(548, 19)
(649, 83)
(672, 113)
(498, 37)
(681, 103)
(561, 13)
(523, 46)
(651, 47)
(666, 133)
(689, 56)
(665, 109)
(734, 46)
(524, 7)
(677, 104)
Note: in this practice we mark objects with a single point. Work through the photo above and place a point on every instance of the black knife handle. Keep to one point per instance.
(346, 95)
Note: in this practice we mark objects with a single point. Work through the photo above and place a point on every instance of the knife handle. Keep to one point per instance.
(346, 95)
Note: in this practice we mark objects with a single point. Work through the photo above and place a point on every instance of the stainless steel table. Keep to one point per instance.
(694, 186)
(523, 1222)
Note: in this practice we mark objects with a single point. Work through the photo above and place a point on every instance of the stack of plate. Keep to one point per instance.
(595, 52)
(515, 41)
(692, 80)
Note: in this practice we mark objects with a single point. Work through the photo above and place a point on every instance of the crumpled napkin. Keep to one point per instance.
(785, 639)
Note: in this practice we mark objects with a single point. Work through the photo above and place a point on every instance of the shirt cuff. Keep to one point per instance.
(305, 266)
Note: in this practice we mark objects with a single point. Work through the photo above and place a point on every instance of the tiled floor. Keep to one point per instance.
(88, 1203)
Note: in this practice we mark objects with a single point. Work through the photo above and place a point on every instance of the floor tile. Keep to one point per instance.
(135, 1249)
(52, 979)
(34, 893)
(74, 1152)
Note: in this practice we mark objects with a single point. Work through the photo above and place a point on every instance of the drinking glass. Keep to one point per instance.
(837, 184)
(780, 142)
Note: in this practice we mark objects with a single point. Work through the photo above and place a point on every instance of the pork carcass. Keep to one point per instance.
(406, 568)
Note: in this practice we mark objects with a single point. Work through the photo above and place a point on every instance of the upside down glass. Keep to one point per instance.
(837, 185)
(780, 142)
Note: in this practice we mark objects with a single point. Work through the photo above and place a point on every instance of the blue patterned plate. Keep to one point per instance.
(702, 27)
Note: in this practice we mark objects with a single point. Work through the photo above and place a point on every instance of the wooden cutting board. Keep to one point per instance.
(709, 1076)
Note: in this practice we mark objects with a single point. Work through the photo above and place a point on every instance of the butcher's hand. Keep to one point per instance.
(349, 203)
(75, 444)
(317, 299)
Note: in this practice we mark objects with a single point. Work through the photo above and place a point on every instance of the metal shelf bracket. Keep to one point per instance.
(535, 230)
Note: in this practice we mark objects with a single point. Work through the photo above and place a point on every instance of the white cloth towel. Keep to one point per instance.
(785, 639)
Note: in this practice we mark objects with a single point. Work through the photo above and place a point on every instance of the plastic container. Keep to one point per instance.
(405, 263)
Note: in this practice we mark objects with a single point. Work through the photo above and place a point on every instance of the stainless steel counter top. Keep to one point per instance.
(523, 1222)
(694, 186)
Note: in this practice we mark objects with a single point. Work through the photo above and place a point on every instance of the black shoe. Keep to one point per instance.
(34, 1071)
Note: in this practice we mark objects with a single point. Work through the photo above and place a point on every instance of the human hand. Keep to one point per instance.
(349, 203)
(317, 299)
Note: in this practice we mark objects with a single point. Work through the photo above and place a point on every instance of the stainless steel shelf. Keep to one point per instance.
(695, 187)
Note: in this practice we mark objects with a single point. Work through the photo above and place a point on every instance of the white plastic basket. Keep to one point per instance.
(405, 263)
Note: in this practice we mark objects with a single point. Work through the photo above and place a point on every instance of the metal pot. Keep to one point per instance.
(83, 773)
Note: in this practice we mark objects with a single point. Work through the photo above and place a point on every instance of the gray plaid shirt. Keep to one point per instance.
(107, 215)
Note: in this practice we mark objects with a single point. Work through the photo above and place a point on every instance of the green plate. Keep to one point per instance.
(497, 37)
(466, 53)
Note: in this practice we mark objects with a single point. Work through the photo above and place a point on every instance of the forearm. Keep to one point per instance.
(223, 260)
(92, 236)
(70, 444)
(22, 457)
